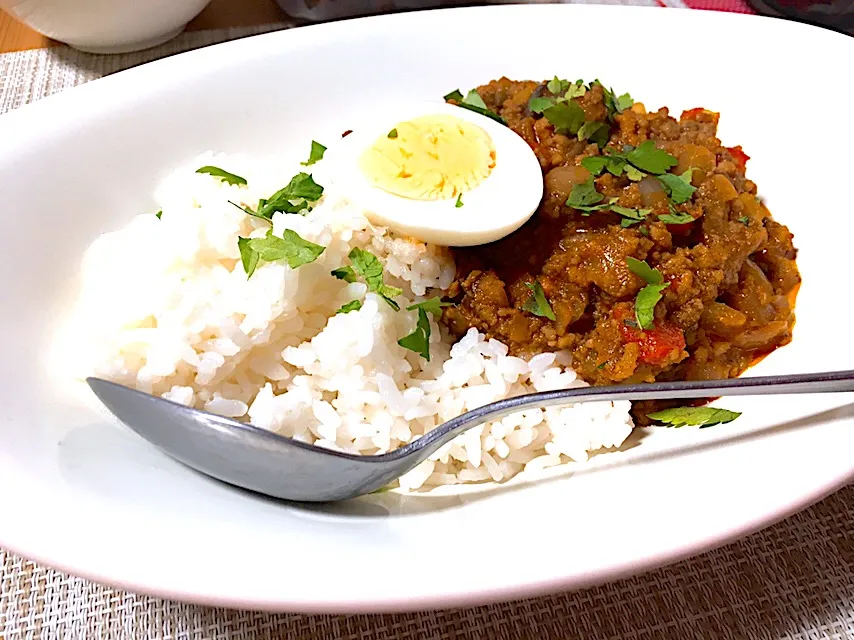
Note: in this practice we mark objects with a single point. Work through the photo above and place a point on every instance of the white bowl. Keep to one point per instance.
(106, 26)
(80, 492)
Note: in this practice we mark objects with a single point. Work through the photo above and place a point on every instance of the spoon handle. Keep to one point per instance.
(827, 382)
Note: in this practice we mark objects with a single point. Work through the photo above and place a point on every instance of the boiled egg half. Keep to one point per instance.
(439, 173)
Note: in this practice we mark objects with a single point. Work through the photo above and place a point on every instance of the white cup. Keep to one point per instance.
(106, 26)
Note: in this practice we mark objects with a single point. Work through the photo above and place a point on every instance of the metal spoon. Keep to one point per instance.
(253, 458)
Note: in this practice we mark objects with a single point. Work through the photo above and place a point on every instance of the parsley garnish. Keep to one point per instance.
(392, 133)
(694, 416)
(159, 214)
(222, 174)
(344, 273)
(647, 157)
(537, 302)
(743, 220)
(584, 195)
(566, 117)
(433, 305)
(419, 340)
(290, 247)
(293, 198)
(676, 217)
(649, 296)
(613, 103)
(316, 154)
(679, 188)
(368, 266)
(459, 202)
(353, 305)
(473, 102)
(595, 131)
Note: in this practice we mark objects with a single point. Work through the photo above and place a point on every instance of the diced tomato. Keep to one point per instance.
(699, 113)
(656, 344)
(738, 155)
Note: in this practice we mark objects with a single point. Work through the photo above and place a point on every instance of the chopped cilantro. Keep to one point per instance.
(630, 216)
(584, 195)
(613, 103)
(694, 416)
(743, 220)
(643, 271)
(558, 86)
(316, 154)
(537, 302)
(644, 231)
(595, 164)
(459, 202)
(595, 131)
(248, 257)
(566, 117)
(353, 305)
(433, 305)
(344, 273)
(392, 134)
(222, 174)
(293, 198)
(647, 157)
(679, 188)
(634, 174)
(368, 266)
(290, 247)
(419, 340)
(159, 214)
(473, 102)
(540, 104)
(649, 296)
(676, 217)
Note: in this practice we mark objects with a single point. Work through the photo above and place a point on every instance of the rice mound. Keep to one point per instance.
(165, 307)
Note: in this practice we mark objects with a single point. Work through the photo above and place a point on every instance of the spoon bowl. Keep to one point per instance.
(262, 461)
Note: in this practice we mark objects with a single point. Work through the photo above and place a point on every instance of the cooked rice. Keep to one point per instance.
(166, 308)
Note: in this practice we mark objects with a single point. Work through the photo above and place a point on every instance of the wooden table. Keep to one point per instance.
(219, 14)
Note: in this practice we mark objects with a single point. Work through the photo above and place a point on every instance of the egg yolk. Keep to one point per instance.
(433, 157)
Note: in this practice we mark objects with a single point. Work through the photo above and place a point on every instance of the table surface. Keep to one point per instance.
(219, 14)
(792, 581)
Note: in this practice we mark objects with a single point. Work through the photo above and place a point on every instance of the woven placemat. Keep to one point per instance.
(794, 580)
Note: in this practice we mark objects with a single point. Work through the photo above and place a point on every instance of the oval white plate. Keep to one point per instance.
(81, 493)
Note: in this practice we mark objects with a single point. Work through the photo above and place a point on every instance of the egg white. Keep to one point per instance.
(499, 205)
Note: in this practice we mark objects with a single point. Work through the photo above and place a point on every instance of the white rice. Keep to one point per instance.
(166, 308)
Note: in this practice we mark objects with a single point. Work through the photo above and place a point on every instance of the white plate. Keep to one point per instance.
(81, 493)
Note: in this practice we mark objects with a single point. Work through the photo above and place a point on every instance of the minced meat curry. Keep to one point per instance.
(646, 260)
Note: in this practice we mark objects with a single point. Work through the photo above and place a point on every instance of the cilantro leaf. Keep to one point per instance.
(644, 231)
(679, 188)
(584, 195)
(694, 416)
(557, 86)
(537, 302)
(291, 247)
(459, 201)
(595, 164)
(392, 134)
(575, 90)
(540, 104)
(473, 102)
(615, 104)
(676, 217)
(353, 305)
(630, 216)
(743, 220)
(316, 154)
(595, 131)
(344, 273)
(433, 305)
(642, 270)
(222, 174)
(645, 303)
(634, 174)
(650, 158)
(292, 198)
(248, 257)
(419, 340)
(368, 266)
(566, 117)
(159, 214)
